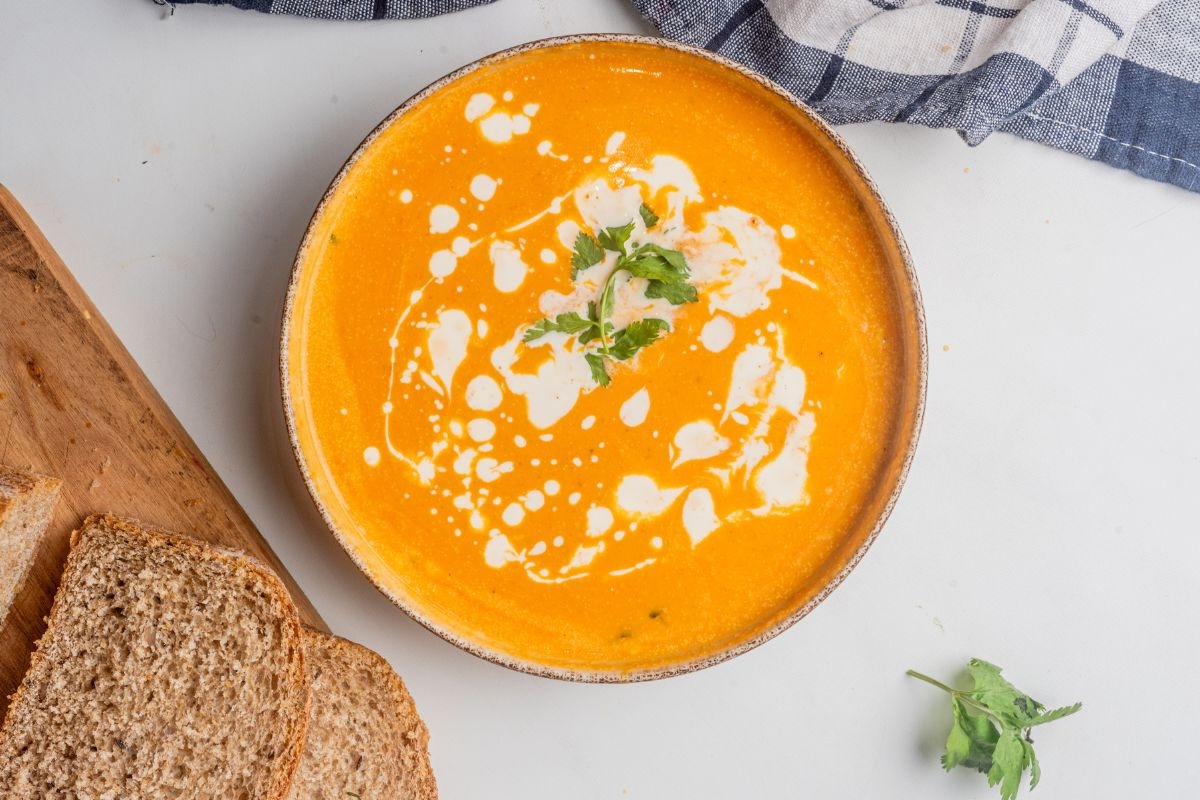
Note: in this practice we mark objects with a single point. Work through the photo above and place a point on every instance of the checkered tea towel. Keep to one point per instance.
(343, 9)
(1117, 81)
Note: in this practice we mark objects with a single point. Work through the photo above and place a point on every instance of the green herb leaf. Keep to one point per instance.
(674, 258)
(569, 322)
(665, 272)
(971, 741)
(641, 333)
(1058, 713)
(991, 728)
(615, 238)
(1008, 762)
(607, 299)
(593, 333)
(588, 253)
(599, 373)
(674, 293)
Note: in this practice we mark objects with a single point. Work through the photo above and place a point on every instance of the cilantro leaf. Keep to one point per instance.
(605, 312)
(599, 373)
(632, 338)
(674, 259)
(674, 293)
(971, 740)
(665, 272)
(652, 268)
(991, 728)
(999, 696)
(1035, 769)
(615, 238)
(587, 253)
(1008, 762)
(569, 322)
(1058, 713)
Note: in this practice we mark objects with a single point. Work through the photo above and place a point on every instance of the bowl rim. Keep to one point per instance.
(906, 283)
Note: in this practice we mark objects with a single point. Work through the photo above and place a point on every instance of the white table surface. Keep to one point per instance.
(1049, 523)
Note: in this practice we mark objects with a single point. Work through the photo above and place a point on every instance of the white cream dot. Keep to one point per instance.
(512, 515)
(442, 264)
(387, 407)
(534, 500)
(497, 127)
(588, 422)
(530, 109)
(483, 393)
(549, 256)
(406, 196)
(520, 124)
(478, 105)
(442, 218)
(599, 519)
(788, 232)
(574, 498)
(460, 246)
(634, 410)
(508, 96)
(371, 456)
(656, 542)
(480, 429)
(717, 334)
(483, 187)
(552, 487)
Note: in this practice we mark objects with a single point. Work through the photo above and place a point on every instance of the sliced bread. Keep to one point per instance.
(26, 506)
(364, 736)
(169, 669)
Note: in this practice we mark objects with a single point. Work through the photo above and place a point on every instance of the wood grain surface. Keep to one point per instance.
(73, 404)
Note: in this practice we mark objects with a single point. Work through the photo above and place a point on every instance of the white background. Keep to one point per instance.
(1049, 523)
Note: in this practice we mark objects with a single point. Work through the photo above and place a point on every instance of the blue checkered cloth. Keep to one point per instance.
(1116, 81)
(343, 9)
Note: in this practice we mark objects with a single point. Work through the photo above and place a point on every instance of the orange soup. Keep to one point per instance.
(602, 358)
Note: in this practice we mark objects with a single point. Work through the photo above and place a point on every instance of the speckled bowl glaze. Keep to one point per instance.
(910, 407)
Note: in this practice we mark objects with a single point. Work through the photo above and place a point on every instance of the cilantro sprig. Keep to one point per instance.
(992, 726)
(666, 272)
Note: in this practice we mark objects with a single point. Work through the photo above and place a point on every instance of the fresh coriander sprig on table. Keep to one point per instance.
(992, 724)
(666, 272)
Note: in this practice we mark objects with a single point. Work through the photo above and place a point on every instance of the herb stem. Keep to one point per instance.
(933, 681)
(956, 693)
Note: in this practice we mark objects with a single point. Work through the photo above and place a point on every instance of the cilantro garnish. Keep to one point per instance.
(588, 253)
(991, 731)
(666, 272)
(569, 322)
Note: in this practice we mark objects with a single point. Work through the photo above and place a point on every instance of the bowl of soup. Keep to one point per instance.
(603, 358)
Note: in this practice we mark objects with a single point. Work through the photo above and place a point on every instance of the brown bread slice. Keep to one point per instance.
(364, 736)
(26, 506)
(169, 669)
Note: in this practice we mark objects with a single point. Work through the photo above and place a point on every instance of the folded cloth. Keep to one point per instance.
(344, 9)
(1116, 81)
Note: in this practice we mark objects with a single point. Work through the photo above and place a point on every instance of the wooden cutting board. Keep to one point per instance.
(73, 404)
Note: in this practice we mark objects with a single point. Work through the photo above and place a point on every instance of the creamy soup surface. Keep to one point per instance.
(613, 499)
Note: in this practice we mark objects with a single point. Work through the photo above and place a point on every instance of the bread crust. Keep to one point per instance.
(422, 781)
(152, 536)
(41, 492)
